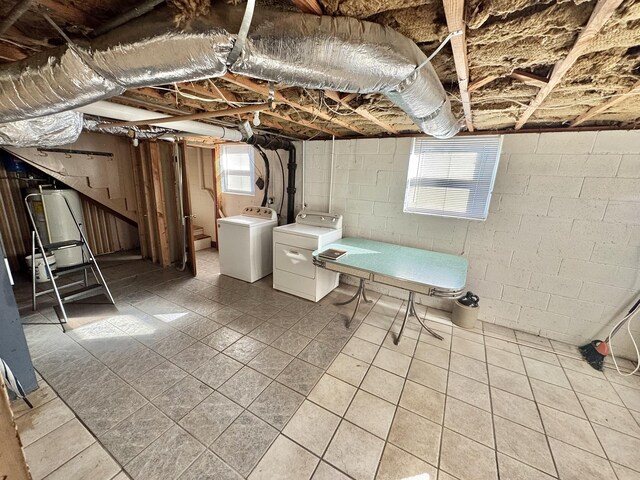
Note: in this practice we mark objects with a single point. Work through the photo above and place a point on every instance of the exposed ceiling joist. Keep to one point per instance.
(303, 123)
(192, 116)
(278, 97)
(215, 92)
(635, 90)
(482, 82)
(308, 6)
(11, 52)
(363, 112)
(529, 78)
(14, 14)
(454, 12)
(600, 15)
(223, 94)
(69, 12)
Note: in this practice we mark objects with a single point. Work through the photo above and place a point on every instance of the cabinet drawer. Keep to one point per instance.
(294, 260)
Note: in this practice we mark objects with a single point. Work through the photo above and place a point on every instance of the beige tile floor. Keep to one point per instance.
(56, 444)
(212, 378)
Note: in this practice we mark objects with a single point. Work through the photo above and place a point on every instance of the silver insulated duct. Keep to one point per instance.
(335, 53)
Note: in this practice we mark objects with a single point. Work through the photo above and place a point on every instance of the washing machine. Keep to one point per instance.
(293, 269)
(245, 243)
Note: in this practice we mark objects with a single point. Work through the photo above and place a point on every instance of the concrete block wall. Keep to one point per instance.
(559, 254)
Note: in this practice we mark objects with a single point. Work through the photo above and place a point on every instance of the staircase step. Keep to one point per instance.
(202, 242)
(81, 293)
(197, 230)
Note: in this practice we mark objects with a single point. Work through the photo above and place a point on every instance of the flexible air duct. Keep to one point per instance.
(50, 131)
(335, 53)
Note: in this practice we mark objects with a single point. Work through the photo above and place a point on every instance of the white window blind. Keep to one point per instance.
(453, 177)
(236, 169)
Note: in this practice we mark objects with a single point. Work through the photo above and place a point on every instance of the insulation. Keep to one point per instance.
(310, 51)
(49, 131)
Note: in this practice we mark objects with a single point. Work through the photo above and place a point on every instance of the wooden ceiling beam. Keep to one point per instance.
(215, 92)
(529, 78)
(278, 97)
(482, 82)
(454, 13)
(308, 6)
(363, 112)
(11, 52)
(231, 96)
(635, 90)
(70, 13)
(602, 12)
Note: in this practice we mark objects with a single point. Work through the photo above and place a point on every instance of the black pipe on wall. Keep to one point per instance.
(275, 143)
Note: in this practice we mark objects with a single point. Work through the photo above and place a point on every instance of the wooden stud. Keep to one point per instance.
(160, 206)
(70, 13)
(13, 464)
(635, 90)
(140, 209)
(278, 97)
(217, 92)
(454, 12)
(149, 216)
(602, 12)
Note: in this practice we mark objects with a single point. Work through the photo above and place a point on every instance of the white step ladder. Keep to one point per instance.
(88, 263)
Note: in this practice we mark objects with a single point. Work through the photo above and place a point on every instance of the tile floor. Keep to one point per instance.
(213, 378)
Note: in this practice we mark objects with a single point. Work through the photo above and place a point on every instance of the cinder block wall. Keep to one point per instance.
(559, 254)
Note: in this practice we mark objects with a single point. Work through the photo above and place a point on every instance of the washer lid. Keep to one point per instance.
(247, 221)
(305, 230)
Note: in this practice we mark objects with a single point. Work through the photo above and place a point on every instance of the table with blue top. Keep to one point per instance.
(413, 269)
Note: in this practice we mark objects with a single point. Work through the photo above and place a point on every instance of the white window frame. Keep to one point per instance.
(225, 170)
(484, 180)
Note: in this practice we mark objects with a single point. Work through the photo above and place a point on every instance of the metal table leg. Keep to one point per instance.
(411, 311)
(359, 296)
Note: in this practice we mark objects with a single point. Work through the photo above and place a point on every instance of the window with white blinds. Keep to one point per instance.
(236, 169)
(453, 177)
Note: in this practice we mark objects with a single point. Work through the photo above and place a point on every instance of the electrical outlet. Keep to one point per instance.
(270, 200)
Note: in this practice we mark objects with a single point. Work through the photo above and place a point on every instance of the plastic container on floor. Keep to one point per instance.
(464, 316)
(41, 270)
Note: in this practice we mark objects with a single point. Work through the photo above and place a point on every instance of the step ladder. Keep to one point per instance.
(62, 292)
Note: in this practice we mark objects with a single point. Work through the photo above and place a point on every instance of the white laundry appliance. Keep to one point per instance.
(245, 243)
(293, 244)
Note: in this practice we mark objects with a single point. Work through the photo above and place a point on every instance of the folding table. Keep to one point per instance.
(412, 269)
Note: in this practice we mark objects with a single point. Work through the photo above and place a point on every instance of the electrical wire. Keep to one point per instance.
(627, 318)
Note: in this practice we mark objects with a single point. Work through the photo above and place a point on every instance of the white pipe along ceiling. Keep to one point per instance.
(319, 52)
(126, 113)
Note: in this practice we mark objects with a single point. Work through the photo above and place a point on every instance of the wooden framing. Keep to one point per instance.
(140, 202)
(69, 13)
(600, 15)
(160, 207)
(363, 112)
(278, 97)
(308, 6)
(635, 90)
(529, 78)
(454, 12)
(482, 82)
(147, 191)
(13, 465)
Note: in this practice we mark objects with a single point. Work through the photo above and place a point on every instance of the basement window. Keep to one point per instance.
(453, 177)
(236, 169)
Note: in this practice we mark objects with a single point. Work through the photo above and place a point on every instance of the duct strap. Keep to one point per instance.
(238, 46)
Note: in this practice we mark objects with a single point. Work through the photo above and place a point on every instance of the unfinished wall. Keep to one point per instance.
(199, 163)
(559, 254)
(232, 204)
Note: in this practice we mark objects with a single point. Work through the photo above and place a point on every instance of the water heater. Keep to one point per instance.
(55, 224)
